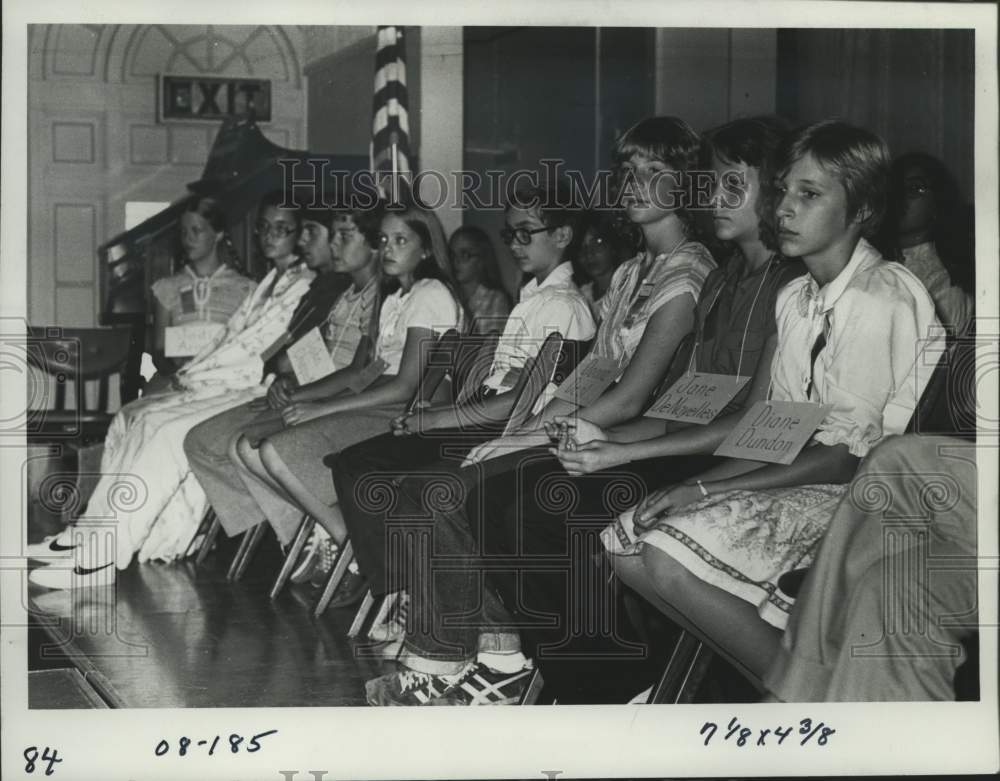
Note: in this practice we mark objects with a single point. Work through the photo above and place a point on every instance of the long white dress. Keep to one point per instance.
(146, 489)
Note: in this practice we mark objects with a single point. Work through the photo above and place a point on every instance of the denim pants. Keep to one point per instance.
(403, 500)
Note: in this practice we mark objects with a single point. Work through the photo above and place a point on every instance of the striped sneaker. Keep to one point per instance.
(482, 686)
(407, 687)
(312, 555)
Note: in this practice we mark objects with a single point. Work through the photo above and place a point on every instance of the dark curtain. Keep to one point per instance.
(915, 88)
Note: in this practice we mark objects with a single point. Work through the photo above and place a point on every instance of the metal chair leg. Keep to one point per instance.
(684, 671)
(359, 618)
(203, 527)
(248, 546)
(384, 612)
(206, 545)
(533, 689)
(292, 557)
(344, 558)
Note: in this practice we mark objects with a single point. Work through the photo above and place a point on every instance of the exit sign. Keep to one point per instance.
(195, 97)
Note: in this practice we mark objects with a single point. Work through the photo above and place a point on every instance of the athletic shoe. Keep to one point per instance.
(55, 545)
(482, 686)
(324, 562)
(310, 556)
(77, 577)
(351, 591)
(406, 687)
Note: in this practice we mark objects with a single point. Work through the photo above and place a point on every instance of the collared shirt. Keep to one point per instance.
(428, 304)
(733, 321)
(349, 320)
(953, 305)
(224, 290)
(637, 291)
(878, 319)
(313, 309)
(555, 305)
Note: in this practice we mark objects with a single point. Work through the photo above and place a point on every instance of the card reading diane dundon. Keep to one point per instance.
(697, 397)
(588, 381)
(773, 431)
(309, 358)
(182, 341)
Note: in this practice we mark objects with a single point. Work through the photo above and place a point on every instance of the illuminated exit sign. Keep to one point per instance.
(195, 97)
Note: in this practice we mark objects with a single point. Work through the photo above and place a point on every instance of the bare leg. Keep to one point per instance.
(328, 516)
(242, 452)
(732, 624)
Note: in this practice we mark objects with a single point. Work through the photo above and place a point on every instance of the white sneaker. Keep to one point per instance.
(74, 578)
(53, 546)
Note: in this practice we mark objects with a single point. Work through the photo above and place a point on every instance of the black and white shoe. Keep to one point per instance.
(53, 546)
(78, 577)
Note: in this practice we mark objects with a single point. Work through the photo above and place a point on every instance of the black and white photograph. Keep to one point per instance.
(633, 365)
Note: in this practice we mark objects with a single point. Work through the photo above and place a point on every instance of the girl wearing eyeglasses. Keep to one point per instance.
(419, 304)
(649, 306)
(477, 275)
(647, 311)
(146, 483)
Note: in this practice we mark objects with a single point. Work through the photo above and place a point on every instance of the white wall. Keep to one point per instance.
(95, 142)
(441, 113)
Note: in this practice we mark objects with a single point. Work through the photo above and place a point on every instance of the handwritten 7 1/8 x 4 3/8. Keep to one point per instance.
(743, 734)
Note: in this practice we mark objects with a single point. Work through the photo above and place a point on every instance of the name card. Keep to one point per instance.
(309, 358)
(774, 431)
(369, 374)
(183, 341)
(697, 397)
(276, 346)
(588, 381)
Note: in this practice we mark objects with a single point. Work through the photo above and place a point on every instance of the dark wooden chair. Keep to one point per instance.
(73, 360)
(80, 356)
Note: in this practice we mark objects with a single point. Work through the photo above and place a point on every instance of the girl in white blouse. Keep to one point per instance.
(419, 305)
(710, 551)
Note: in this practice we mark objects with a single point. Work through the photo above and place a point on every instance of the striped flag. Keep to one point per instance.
(390, 147)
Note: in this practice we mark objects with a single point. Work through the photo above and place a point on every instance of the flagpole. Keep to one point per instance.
(395, 171)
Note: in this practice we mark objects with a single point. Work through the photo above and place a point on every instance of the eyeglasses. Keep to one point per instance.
(280, 230)
(521, 235)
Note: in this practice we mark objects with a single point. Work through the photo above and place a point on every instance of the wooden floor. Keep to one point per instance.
(182, 636)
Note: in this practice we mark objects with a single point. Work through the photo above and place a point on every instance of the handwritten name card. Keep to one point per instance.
(309, 358)
(181, 341)
(588, 381)
(697, 397)
(773, 431)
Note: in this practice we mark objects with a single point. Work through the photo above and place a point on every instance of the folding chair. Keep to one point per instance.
(532, 381)
(81, 356)
(208, 531)
(692, 653)
(442, 362)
